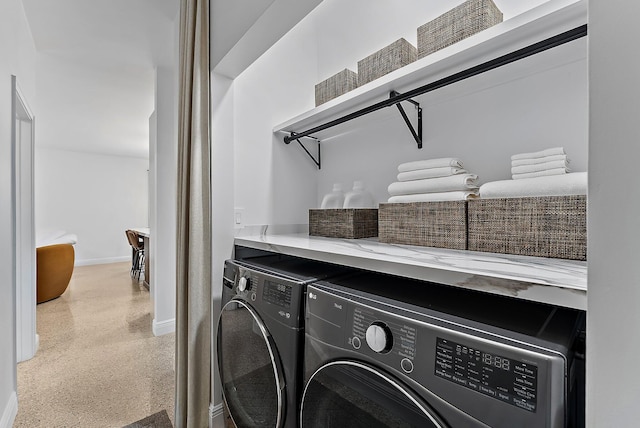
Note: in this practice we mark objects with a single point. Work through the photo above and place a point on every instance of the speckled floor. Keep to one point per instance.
(99, 364)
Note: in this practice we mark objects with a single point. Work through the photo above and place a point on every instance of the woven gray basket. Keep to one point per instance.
(351, 223)
(550, 226)
(388, 59)
(336, 85)
(429, 224)
(459, 23)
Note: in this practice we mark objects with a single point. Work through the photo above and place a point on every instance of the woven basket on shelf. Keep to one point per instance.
(459, 23)
(550, 226)
(351, 223)
(336, 85)
(388, 59)
(430, 224)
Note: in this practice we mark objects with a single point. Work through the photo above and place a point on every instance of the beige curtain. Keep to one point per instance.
(193, 299)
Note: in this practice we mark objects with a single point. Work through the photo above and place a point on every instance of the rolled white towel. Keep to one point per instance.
(429, 163)
(420, 174)
(534, 155)
(556, 171)
(533, 161)
(434, 185)
(434, 197)
(567, 184)
(524, 169)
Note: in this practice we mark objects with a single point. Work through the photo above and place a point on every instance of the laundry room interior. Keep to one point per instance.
(458, 307)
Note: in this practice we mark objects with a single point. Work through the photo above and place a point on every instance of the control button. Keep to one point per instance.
(253, 297)
(379, 337)
(407, 365)
(356, 342)
(244, 284)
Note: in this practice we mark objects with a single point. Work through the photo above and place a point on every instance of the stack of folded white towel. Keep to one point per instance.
(543, 173)
(442, 179)
(552, 161)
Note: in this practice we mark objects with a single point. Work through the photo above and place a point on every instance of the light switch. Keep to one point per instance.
(237, 216)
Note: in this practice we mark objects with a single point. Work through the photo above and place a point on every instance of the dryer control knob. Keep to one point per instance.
(379, 337)
(244, 284)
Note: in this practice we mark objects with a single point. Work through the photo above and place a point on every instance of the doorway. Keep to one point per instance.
(22, 147)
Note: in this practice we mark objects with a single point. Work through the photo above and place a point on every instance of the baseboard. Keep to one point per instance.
(104, 261)
(10, 411)
(216, 416)
(163, 327)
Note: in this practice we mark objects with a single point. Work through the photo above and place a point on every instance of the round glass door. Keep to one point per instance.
(249, 368)
(351, 394)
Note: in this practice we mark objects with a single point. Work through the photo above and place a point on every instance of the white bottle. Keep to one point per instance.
(335, 199)
(358, 197)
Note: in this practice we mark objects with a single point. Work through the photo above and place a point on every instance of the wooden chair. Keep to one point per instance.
(137, 245)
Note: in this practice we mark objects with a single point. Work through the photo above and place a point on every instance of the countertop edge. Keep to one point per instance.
(513, 276)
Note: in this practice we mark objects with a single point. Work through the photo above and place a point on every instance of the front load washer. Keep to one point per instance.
(382, 351)
(260, 337)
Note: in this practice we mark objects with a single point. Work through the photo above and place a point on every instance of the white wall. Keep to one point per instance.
(17, 57)
(613, 343)
(241, 31)
(272, 180)
(97, 197)
(91, 107)
(222, 202)
(163, 169)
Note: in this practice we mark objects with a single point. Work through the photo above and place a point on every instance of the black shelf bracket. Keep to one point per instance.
(416, 135)
(294, 136)
(527, 51)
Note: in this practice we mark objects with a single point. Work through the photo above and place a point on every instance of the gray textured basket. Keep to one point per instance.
(459, 23)
(351, 223)
(429, 224)
(336, 85)
(550, 226)
(388, 59)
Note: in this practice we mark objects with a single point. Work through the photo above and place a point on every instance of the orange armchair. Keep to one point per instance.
(54, 268)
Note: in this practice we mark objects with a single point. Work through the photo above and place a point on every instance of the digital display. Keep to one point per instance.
(277, 294)
(511, 381)
(496, 361)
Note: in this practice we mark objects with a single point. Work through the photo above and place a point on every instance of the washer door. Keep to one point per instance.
(352, 394)
(250, 369)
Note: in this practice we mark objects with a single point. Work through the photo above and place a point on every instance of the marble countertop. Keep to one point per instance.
(554, 281)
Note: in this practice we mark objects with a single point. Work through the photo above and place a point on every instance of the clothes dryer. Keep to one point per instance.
(382, 351)
(260, 337)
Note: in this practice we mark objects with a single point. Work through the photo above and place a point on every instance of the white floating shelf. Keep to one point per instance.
(548, 20)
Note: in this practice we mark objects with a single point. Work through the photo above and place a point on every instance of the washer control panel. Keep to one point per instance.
(511, 381)
(277, 297)
(388, 336)
(277, 293)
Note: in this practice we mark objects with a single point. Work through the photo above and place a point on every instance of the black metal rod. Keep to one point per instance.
(519, 54)
(396, 93)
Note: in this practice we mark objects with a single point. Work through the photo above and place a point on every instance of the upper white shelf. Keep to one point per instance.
(541, 23)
